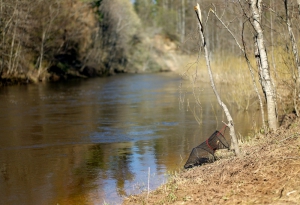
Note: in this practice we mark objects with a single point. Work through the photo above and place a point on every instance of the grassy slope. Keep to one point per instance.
(267, 173)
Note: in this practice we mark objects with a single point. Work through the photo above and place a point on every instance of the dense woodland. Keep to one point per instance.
(54, 40)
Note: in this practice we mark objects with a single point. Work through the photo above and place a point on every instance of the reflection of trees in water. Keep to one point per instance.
(107, 161)
(121, 170)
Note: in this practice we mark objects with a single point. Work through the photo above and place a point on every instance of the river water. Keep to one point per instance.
(96, 141)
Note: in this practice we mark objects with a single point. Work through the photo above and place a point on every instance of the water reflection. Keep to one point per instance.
(90, 142)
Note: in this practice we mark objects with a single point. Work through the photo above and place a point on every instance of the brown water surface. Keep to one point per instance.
(95, 141)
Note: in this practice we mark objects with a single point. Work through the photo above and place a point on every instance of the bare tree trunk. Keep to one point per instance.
(296, 55)
(265, 78)
(230, 124)
(41, 52)
(11, 55)
(272, 40)
(52, 16)
(182, 21)
(292, 37)
(16, 57)
(12, 24)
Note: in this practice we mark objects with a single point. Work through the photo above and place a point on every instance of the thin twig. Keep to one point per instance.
(148, 182)
(294, 135)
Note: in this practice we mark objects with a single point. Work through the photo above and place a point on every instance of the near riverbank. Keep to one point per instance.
(267, 173)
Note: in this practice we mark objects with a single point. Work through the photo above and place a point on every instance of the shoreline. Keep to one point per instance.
(266, 173)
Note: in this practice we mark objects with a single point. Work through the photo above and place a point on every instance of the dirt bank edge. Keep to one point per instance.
(267, 173)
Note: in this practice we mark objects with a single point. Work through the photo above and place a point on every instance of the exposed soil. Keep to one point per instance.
(268, 172)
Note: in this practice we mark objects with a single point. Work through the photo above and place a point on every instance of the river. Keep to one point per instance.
(96, 141)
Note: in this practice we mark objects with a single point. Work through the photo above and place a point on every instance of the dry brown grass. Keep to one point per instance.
(233, 72)
(267, 173)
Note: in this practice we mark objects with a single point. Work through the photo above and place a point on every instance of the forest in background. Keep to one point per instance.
(53, 40)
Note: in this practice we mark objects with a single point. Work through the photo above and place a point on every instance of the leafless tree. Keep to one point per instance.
(47, 22)
(262, 61)
(230, 123)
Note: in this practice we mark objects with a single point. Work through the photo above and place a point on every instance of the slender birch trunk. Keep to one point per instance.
(265, 78)
(230, 124)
